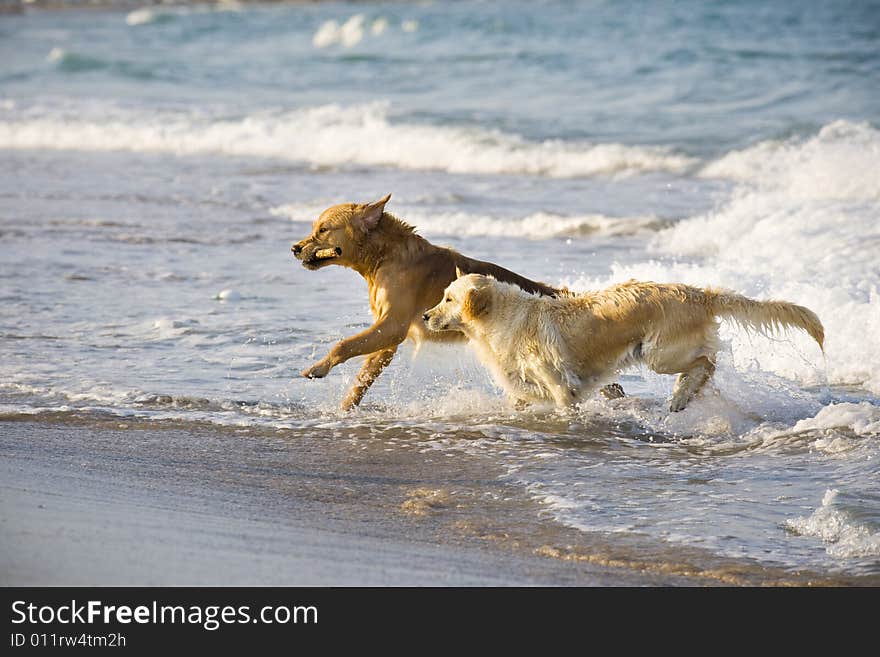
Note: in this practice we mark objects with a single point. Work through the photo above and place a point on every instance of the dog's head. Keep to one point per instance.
(467, 299)
(338, 233)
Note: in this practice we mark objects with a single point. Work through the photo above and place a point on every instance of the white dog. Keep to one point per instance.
(560, 349)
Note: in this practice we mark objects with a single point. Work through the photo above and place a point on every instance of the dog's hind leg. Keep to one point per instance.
(613, 391)
(563, 386)
(371, 369)
(690, 382)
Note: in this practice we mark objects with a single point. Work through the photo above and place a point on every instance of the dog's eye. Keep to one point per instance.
(448, 299)
(323, 229)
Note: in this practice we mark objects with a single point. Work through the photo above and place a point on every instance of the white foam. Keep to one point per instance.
(348, 34)
(410, 25)
(844, 537)
(540, 225)
(379, 26)
(840, 162)
(56, 54)
(331, 135)
(352, 31)
(834, 429)
(169, 11)
(737, 411)
(230, 296)
(141, 16)
(777, 237)
(166, 328)
(326, 34)
(863, 419)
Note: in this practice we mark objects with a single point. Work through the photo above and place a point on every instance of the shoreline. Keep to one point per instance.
(113, 501)
(97, 505)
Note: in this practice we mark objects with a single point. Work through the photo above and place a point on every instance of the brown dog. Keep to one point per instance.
(406, 275)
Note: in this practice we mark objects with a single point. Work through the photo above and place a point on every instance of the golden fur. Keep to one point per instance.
(405, 275)
(560, 349)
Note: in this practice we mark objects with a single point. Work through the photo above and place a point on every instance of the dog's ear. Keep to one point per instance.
(476, 303)
(458, 272)
(368, 218)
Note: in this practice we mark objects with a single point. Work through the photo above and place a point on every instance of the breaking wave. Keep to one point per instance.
(539, 225)
(803, 226)
(333, 135)
(837, 524)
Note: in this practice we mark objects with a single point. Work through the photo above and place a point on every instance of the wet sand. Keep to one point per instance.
(102, 500)
(109, 503)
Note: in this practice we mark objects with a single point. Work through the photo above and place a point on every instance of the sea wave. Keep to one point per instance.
(836, 429)
(834, 522)
(351, 32)
(539, 225)
(801, 228)
(839, 162)
(78, 63)
(333, 135)
(71, 62)
(146, 16)
(348, 33)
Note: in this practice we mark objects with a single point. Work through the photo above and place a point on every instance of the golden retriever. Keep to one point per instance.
(405, 275)
(560, 349)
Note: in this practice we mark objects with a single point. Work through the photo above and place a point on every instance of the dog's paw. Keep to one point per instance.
(677, 405)
(317, 371)
(613, 391)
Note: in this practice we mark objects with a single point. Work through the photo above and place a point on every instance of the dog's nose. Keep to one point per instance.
(297, 249)
(425, 317)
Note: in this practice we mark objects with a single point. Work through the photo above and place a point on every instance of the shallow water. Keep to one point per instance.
(156, 166)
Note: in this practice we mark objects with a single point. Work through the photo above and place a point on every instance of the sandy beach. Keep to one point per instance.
(102, 504)
(106, 501)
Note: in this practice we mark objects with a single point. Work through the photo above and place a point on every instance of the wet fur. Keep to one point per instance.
(405, 275)
(560, 349)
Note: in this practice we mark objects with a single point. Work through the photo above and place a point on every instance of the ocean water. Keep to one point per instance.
(156, 165)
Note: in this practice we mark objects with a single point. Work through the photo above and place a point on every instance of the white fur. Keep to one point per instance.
(561, 349)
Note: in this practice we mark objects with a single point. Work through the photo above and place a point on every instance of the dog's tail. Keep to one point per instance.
(763, 315)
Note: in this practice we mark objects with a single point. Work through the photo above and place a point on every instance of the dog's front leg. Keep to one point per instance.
(385, 334)
(520, 404)
(371, 369)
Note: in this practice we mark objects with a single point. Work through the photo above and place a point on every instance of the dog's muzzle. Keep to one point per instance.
(427, 319)
(316, 257)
